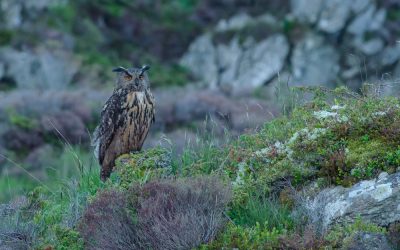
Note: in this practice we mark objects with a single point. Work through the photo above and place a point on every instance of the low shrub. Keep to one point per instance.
(163, 214)
(241, 237)
(305, 240)
(181, 214)
(106, 223)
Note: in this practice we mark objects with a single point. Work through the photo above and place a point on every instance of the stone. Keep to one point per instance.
(358, 6)
(200, 59)
(2, 69)
(390, 55)
(234, 23)
(334, 15)
(371, 47)
(18, 12)
(259, 64)
(378, 20)
(369, 20)
(369, 241)
(376, 201)
(314, 62)
(306, 10)
(361, 23)
(12, 13)
(39, 70)
(236, 68)
(228, 59)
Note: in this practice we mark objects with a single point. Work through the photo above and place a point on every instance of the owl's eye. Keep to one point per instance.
(128, 77)
(141, 77)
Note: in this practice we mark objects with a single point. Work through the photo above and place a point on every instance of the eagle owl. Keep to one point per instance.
(125, 119)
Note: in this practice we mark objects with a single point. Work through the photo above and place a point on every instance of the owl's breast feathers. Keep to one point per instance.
(125, 121)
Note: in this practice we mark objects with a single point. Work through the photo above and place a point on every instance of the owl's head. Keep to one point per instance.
(134, 78)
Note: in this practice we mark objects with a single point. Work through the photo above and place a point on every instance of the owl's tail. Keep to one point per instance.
(106, 169)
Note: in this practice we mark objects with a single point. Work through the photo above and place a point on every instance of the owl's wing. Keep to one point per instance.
(109, 122)
(150, 99)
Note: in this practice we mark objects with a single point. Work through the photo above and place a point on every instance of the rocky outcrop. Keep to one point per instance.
(376, 201)
(15, 11)
(41, 69)
(314, 62)
(369, 241)
(241, 64)
(329, 43)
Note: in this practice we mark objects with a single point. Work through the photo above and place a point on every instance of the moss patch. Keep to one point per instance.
(141, 166)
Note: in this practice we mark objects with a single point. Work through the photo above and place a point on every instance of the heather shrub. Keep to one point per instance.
(107, 224)
(309, 238)
(181, 214)
(168, 214)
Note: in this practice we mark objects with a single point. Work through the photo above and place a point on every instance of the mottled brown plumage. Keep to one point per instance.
(125, 119)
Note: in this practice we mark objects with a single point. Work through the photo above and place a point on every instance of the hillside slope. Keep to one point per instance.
(252, 193)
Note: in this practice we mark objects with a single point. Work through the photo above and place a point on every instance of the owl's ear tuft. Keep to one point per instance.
(144, 69)
(121, 69)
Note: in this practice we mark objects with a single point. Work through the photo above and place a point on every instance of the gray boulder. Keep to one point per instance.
(331, 16)
(370, 47)
(390, 55)
(2, 69)
(314, 62)
(236, 68)
(368, 20)
(369, 241)
(306, 10)
(259, 64)
(12, 13)
(241, 64)
(236, 22)
(16, 12)
(334, 15)
(200, 59)
(376, 201)
(41, 69)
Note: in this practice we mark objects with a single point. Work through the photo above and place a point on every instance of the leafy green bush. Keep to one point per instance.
(241, 237)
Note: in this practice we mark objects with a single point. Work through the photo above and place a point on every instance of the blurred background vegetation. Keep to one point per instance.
(56, 59)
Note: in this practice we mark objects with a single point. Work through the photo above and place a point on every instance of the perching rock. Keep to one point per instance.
(314, 62)
(376, 201)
